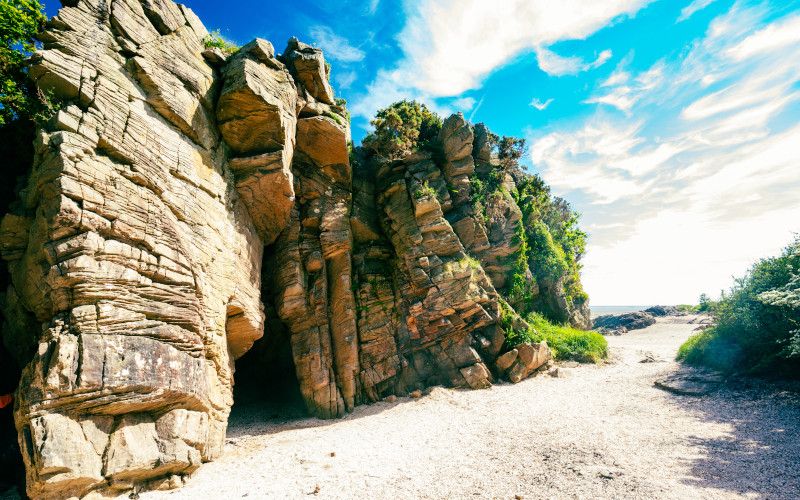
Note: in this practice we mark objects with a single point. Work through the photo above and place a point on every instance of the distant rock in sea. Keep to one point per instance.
(621, 323)
(659, 311)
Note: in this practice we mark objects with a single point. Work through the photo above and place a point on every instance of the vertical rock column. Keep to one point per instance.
(313, 256)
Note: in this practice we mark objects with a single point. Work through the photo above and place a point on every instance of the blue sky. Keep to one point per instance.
(670, 125)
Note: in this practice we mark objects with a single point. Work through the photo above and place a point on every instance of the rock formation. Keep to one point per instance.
(176, 193)
(624, 322)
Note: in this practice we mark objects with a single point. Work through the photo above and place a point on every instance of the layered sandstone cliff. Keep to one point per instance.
(180, 190)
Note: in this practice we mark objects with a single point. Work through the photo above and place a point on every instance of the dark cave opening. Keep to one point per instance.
(266, 387)
(12, 468)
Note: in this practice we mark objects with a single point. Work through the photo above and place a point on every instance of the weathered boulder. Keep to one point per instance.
(528, 360)
(256, 110)
(307, 65)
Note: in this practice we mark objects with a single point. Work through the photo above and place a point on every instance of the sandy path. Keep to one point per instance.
(602, 432)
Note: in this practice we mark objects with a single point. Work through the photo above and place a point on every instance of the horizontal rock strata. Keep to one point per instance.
(176, 189)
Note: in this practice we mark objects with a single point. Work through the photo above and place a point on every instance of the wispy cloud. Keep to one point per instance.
(465, 103)
(704, 181)
(556, 65)
(335, 46)
(449, 46)
(372, 7)
(541, 106)
(774, 36)
(345, 80)
(626, 91)
(694, 7)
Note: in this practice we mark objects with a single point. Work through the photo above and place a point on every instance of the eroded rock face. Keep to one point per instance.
(130, 251)
(176, 189)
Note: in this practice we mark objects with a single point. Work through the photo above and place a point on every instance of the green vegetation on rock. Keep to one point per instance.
(216, 40)
(401, 128)
(567, 343)
(551, 244)
(757, 324)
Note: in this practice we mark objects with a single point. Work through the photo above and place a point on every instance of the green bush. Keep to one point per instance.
(567, 342)
(757, 328)
(402, 127)
(215, 40)
(23, 106)
(550, 259)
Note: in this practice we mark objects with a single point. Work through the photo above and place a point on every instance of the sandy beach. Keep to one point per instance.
(603, 431)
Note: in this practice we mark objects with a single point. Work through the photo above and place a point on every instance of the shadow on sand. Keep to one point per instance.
(760, 454)
(259, 417)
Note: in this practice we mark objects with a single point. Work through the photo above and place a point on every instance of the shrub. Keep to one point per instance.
(22, 105)
(401, 128)
(567, 342)
(757, 322)
(550, 262)
(338, 119)
(424, 190)
(215, 40)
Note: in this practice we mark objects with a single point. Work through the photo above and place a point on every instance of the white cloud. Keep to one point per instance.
(770, 38)
(675, 256)
(624, 92)
(345, 79)
(556, 65)
(464, 104)
(602, 58)
(616, 78)
(621, 98)
(455, 42)
(694, 7)
(450, 45)
(335, 46)
(563, 155)
(737, 96)
(704, 182)
(541, 106)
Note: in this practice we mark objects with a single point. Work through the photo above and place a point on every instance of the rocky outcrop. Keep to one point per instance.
(135, 262)
(523, 360)
(627, 321)
(663, 311)
(184, 204)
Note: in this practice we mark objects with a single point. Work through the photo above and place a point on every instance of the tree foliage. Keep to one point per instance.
(757, 326)
(401, 128)
(550, 241)
(20, 21)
